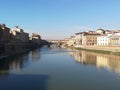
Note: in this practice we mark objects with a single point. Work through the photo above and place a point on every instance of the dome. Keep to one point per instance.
(100, 30)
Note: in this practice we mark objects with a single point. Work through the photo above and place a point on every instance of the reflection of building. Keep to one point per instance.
(19, 62)
(88, 58)
(15, 65)
(110, 62)
(35, 54)
(102, 61)
(84, 57)
(77, 56)
(4, 67)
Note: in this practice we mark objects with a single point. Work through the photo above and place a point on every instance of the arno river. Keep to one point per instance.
(60, 69)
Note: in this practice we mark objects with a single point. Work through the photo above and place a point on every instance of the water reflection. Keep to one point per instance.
(17, 63)
(110, 62)
(24, 82)
(4, 67)
(35, 55)
(54, 69)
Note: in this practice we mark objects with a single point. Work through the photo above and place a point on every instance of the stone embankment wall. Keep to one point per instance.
(104, 48)
(94, 47)
(15, 40)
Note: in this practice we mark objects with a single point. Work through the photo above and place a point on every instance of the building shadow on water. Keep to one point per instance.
(18, 62)
(10, 81)
(24, 82)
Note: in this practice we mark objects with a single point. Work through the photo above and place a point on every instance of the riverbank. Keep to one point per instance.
(19, 50)
(15, 40)
(98, 49)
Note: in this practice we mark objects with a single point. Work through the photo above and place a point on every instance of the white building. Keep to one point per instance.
(19, 34)
(103, 40)
(78, 37)
(114, 39)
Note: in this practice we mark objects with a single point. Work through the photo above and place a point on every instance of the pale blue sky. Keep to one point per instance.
(58, 19)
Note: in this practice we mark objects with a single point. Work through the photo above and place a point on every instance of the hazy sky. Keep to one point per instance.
(58, 19)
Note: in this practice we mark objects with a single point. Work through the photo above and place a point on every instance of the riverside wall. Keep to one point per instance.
(17, 41)
(104, 48)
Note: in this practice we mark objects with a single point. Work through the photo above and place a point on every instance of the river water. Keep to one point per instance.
(60, 69)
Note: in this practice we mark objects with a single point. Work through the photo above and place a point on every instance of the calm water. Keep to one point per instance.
(60, 69)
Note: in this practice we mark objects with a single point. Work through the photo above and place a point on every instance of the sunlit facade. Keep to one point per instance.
(103, 40)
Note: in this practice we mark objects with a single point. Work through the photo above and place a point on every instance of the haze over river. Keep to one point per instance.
(51, 68)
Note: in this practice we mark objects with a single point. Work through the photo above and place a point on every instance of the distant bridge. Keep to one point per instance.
(56, 41)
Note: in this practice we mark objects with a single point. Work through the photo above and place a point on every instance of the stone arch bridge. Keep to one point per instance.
(57, 42)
